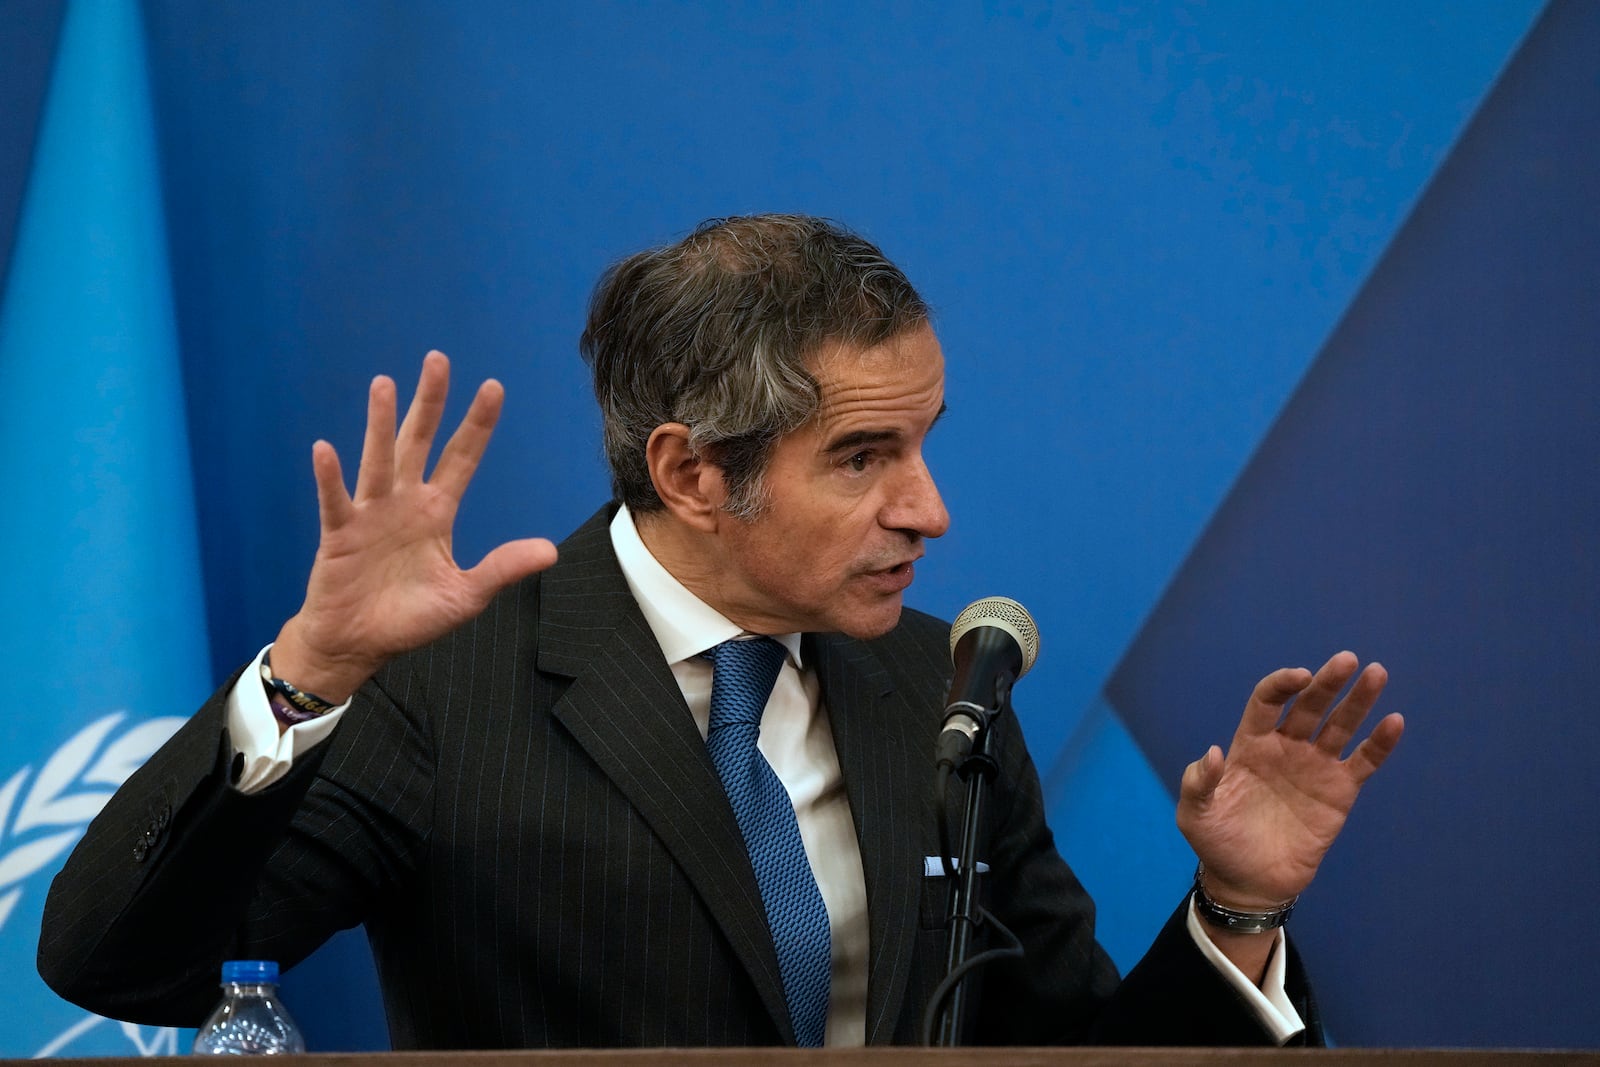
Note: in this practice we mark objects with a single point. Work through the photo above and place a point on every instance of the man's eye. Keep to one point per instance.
(859, 461)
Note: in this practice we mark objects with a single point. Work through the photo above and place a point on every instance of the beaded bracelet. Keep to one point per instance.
(290, 705)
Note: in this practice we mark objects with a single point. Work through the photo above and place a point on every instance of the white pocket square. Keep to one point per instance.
(933, 867)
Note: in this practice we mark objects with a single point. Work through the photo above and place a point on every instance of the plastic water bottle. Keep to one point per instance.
(251, 1020)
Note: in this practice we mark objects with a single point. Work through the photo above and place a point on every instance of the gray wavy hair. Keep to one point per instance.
(717, 331)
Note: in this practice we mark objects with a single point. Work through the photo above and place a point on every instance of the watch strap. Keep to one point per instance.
(1236, 920)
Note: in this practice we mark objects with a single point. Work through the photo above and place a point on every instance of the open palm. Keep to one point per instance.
(385, 579)
(1262, 817)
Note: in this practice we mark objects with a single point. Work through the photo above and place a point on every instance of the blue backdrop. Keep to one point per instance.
(1270, 331)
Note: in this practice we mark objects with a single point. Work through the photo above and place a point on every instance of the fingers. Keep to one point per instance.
(376, 473)
(459, 460)
(1308, 719)
(1312, 704)
(511, 562)
(415, 439)
(1265, 707)
(1353, 709)
(390, 457)
(1201, 778)
(1370, 754)
(333, 503)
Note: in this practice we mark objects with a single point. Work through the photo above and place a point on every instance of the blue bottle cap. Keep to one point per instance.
(250, 971)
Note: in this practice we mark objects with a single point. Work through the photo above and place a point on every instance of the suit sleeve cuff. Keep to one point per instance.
(267, 754)
(1270, 1001)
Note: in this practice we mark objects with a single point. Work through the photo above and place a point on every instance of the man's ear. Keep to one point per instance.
(689, 485)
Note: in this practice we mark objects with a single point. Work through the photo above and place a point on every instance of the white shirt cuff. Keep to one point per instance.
(1270, 1002)
(253, 729)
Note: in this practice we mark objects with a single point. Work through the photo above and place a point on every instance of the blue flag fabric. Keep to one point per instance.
(101, 613)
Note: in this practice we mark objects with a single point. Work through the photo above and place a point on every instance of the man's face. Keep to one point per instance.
(848, 499)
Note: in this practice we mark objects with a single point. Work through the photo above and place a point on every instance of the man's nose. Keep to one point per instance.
(918, 508)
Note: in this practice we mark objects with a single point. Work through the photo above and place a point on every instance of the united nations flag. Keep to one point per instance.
(101, 616)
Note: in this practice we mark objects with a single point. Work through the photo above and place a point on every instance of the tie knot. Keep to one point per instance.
(742, 676)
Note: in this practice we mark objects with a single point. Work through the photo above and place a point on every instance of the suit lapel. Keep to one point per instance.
(626, 710)
(881, 755)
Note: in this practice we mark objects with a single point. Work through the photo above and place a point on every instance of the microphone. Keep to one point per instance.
(993, 642)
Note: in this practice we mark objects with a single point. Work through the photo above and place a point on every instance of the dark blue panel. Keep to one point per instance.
(1429, 498)
(29, 29)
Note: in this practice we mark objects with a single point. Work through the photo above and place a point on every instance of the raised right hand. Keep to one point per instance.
(385, 578)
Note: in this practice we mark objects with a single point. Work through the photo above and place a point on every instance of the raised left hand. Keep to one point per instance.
(1262, 817)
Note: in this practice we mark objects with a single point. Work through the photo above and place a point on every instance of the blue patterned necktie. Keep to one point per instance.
(743, 673)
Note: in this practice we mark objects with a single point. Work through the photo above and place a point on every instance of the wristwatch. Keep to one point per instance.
(1234, 919)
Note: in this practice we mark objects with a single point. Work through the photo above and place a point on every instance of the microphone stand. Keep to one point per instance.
(978, 770)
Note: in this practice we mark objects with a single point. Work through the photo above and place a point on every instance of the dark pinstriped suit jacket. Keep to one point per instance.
(524, 816)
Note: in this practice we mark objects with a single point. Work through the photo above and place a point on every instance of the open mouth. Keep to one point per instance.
(893, 579)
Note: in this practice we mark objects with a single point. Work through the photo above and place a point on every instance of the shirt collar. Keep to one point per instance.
(683, 624)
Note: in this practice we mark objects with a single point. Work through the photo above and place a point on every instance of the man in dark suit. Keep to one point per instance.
(519, 776)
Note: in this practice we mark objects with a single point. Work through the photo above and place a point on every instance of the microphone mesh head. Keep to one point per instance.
(1008, 615)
